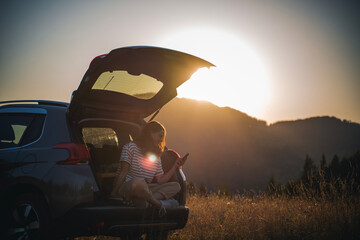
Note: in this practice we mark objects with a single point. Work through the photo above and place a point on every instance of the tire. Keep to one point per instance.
(161, 235)
(27, 218)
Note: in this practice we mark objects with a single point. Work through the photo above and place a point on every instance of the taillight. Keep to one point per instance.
(78, 153)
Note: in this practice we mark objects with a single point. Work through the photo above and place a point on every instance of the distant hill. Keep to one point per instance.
(228, 146)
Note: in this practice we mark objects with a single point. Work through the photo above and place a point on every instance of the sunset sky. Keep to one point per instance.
(276, 60)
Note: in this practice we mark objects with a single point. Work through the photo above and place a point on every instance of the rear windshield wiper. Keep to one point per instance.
(154, 115)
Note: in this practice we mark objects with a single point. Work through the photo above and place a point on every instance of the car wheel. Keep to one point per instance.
(27, 218)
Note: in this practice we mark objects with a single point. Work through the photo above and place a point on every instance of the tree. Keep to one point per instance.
(334, 167)
(323, 168)
(308, 171)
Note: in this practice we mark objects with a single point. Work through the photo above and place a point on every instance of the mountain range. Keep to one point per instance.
(227, 146)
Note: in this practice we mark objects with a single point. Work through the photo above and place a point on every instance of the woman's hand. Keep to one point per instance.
(165, 177)
(181, 161)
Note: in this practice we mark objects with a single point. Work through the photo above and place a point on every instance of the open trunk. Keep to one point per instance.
(131, 83)
(117, 92)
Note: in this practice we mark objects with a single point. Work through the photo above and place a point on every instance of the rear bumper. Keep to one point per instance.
(117, 220)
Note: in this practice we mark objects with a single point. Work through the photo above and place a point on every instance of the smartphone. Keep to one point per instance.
(185, 157)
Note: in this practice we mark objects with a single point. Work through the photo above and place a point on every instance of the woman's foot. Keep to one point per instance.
(167, 204)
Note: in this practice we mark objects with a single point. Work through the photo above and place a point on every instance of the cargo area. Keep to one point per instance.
(105, 140)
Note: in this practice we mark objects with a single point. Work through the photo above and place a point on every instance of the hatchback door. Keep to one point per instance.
(131, 83)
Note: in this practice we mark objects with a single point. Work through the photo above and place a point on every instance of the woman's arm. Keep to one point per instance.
(124, 169)
(165, 177)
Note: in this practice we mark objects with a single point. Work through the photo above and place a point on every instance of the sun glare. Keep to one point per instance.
(151, 157)
(239, 80)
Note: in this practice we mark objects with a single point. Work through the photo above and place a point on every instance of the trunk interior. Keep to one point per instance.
(105, 140)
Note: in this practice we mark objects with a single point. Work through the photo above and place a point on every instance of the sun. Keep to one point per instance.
(240, 79)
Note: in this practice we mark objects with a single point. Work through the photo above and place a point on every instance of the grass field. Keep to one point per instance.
(258, 216)
(264, 217)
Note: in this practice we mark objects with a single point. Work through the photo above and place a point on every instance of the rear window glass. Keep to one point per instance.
(104, 148)
(98, 137)
(19, 129)
(141, 86)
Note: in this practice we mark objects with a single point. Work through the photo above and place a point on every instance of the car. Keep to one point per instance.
(58, 160)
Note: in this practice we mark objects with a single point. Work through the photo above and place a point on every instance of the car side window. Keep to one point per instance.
(33, 132)
(18, 129)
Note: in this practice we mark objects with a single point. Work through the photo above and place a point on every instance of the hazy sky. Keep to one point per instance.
(278, 60)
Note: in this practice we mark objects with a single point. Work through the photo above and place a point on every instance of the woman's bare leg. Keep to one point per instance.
(141, 190)
(165, 190)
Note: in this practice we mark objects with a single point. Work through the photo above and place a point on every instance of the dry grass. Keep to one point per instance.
(263, 217)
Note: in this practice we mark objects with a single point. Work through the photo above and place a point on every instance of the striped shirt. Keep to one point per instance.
(141, 166)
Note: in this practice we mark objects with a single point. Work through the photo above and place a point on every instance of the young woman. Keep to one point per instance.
(140, 176)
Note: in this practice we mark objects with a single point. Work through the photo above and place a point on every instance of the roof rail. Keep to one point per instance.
(41, 102)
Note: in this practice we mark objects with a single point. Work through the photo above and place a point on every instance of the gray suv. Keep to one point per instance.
(58, 160)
